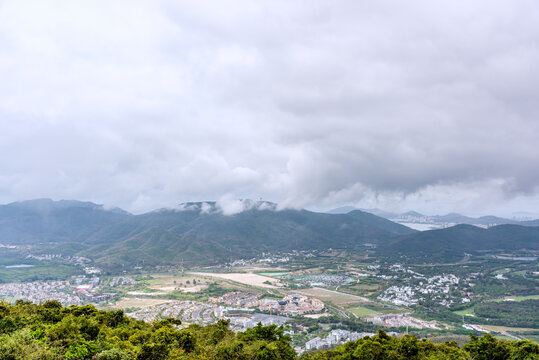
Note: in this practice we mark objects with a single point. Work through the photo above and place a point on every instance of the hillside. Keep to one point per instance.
(46, 221)
(50, 331)
(195, 236)
(191, 233)
(451, 244)
(451, 218)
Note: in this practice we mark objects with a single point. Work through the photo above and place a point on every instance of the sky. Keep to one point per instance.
(399, 105)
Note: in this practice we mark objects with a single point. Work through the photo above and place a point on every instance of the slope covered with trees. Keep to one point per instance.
(193, 233)
(50, 331)
(451, 244)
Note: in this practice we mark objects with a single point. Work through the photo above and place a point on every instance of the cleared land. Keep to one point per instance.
(168, 283)
(335, 297)
(504, 329)
(243, 278)
(130, 302)
(520, 298)
(466, 312)
(366, 312)
(142, 293)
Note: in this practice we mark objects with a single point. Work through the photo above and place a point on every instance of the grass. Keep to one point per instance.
(466, 312)
(163, 286)
(338, 299)
(250, 279)
(518, 298)
(361, 289)
(172, 282)
(534, 338)
(369, 311)
(38, 273)
(506, 329)
(136, 302)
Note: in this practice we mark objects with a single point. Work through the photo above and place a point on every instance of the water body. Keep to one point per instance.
(419, 226)
(19, 266)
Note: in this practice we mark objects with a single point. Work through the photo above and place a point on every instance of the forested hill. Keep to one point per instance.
(171, 236)
(50, 331)
(453, 243)
(192, 232)
(43, 221)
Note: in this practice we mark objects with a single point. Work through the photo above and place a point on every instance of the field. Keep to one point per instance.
(243, 278)
(465, 312)
(334, 297)
(187, 283)
(135, 302)
(362, 288)
(38, 273)
(366, 312)
(273, 273)
(520, 298)
(503, 329)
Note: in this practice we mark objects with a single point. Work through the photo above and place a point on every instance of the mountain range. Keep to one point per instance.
(201, 233)
(455, 243)
(189, 233)
(451, 218)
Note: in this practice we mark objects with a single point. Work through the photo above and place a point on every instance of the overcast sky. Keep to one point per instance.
(424, 105)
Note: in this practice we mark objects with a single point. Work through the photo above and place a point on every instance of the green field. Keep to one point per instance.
(465, 312)
(38, 273)
(369, 311)
(519, 298)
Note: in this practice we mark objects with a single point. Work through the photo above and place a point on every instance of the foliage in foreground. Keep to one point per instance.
(50, 331)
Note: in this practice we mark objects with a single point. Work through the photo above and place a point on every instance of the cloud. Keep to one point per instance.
(144, 105)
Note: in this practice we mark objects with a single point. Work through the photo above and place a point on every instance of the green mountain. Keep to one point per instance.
(195, 236)
(192, 233)
(47, 221)
(451, 244)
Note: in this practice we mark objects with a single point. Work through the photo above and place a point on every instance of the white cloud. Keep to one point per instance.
(149, 104)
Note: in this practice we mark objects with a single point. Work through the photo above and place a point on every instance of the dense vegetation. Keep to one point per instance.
(509, 313)
(453, 243)
(201, 234)
(50, 331)
(384, 347)
(198, 234)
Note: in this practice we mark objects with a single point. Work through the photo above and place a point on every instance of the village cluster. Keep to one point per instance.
(271, 258)
(194, 312)
(40, 292)
(80, 290)
(401, 320)
(334, 338)
(190, 312)
(293, 304)
(420, 288)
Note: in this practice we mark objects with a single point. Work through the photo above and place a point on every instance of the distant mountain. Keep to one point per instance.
(48, 221)
(193, 233)
(530, 222)
(342, 210)
(346, 209)
(412, 214)
(451, 244)
(451, 218)
(461, 219)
